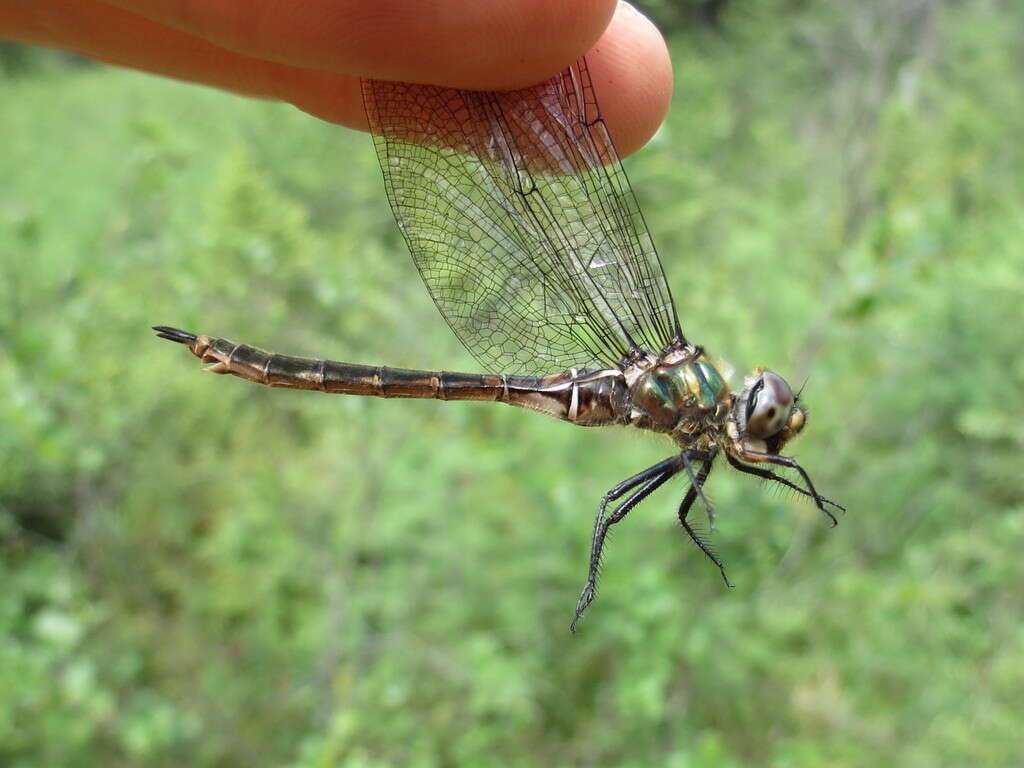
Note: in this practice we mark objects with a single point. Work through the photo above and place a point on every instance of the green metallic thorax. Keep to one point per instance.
(669, 394)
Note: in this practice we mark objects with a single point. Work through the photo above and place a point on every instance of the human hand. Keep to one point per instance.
(313, 53)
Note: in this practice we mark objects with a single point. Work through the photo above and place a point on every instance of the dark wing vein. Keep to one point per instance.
(522, 223)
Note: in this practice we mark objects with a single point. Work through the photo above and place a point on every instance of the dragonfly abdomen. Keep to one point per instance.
(290, 372)
(587, 398)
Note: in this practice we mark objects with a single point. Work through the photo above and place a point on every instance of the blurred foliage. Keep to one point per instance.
(18, 60)
(203, 572)
(673, 16)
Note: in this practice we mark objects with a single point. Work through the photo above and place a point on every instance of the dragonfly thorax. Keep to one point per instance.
(668, 395)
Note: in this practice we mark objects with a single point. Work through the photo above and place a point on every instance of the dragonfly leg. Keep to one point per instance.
(644, 483)
(706, 457)
(684, 510)
(767, 474)
(788, 461)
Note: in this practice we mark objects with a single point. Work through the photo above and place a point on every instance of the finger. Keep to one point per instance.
(629, 65)
(633, 77)
(496, 44)
(112, 35)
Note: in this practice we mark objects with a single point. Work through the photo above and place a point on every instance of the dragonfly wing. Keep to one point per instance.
(522, 223)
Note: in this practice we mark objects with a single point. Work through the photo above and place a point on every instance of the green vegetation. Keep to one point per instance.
(196, 571)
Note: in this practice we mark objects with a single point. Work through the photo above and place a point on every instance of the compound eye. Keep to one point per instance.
(770, 409)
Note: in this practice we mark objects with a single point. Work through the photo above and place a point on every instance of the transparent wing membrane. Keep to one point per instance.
(522, 223)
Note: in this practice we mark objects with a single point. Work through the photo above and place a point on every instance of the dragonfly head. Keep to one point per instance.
(766, 414)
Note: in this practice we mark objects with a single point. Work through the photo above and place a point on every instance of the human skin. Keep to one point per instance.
(312, 53)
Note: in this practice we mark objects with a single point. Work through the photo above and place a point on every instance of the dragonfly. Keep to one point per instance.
(526, 232)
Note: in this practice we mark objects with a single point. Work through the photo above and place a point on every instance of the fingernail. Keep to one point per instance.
(630, 8)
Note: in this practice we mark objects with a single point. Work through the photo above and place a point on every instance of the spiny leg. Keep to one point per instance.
(787, 461)
(703, 456)
(767, 474)
(648, 481)
(684, 510)
(588, 593)
(621, 489)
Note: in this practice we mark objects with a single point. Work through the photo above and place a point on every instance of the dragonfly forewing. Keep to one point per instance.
(522, 222)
